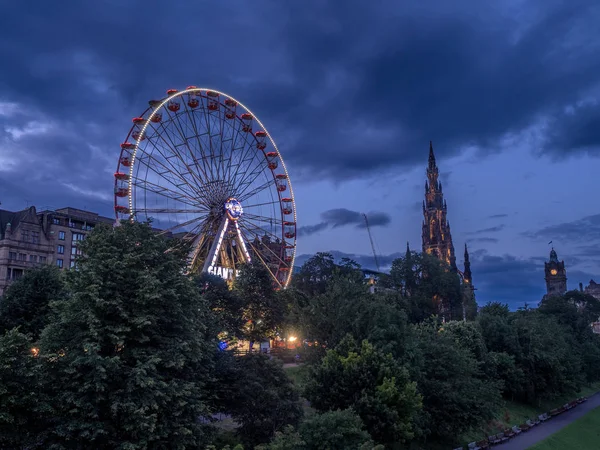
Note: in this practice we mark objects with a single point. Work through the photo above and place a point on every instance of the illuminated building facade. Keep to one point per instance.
(556, 276)
(437, 239)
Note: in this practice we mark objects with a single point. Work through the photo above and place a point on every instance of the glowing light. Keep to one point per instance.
(35, 351)
(292, 338)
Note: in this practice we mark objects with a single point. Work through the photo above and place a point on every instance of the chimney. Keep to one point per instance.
(580, 287)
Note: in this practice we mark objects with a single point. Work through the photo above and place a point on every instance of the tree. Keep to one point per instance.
(26, 302)
(313, 277)
(262, 398)
(455, 397)
(23, 411)
(262, 310)
(225, 304)
(429, 286)
(127, 356)
(331, 315)
(335, 430)
(548, 356)
(370, 382)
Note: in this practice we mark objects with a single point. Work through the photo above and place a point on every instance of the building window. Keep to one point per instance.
(78, 237)
(56, 221)
(59, 263)
(25, 237)
(42, 260)
(75, 251)
(60, 249)
(8, 273)
(72, 265)
(22, 257)
(12, 255)
(61, 235)
(33, 258)
(35, 237)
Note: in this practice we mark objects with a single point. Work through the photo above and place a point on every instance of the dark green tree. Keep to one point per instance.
(127, 356)
(455, 397)
(227, 307)
(427, 283)
(547, 355)
(335, 430)
(370, 382)
(314, 274)
(25, 303)
(263, 310)
(23, 414)
(262, 398)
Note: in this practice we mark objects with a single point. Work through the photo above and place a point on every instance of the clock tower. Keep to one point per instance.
(556, 276)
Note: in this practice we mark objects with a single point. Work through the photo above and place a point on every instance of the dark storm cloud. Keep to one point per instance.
(347, 92)
(307, 230)
(584, 229)
(341, 217)
(497, 216)
(488, 230)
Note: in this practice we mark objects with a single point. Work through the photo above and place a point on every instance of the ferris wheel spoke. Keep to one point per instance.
(255, 191)
(175, 148)
(264, 263)
(267, 250)
(255, 218)
(196, 139)
(245, 161)
(174, 169)
(210, 142)
(173, 211)
(256, 205)
(169, 139)
(165, 192)
(183, 224)
(251, 177)
(179, 185)
(235, 134)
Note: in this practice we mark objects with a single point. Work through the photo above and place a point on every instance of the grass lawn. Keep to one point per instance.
(297, 374)
(515, 413)
(583, 434)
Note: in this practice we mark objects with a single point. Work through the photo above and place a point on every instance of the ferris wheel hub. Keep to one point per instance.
(233, 209)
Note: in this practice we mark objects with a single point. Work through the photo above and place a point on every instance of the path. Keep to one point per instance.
(543, 430)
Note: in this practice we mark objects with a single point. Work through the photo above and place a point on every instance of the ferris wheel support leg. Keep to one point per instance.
(216, 245)
(240, 237)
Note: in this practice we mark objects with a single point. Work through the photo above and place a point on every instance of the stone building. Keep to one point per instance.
(24, 244)
(437, 239)
(29, 239)
(592, 289)
(555, 276)
(67, 227)
(436, 235)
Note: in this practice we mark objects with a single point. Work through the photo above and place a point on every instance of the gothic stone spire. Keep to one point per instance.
(437, 239)
(467, 276)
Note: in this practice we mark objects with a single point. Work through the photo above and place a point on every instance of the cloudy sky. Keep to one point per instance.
(352, 92)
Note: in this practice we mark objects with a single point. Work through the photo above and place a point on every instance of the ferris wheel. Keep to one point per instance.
(204, 169)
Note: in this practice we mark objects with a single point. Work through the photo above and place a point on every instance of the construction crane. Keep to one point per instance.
(372, 244)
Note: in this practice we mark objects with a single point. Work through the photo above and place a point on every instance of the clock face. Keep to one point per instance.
(553, 271)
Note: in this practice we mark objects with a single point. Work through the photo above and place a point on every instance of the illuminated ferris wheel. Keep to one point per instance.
(205, 170)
